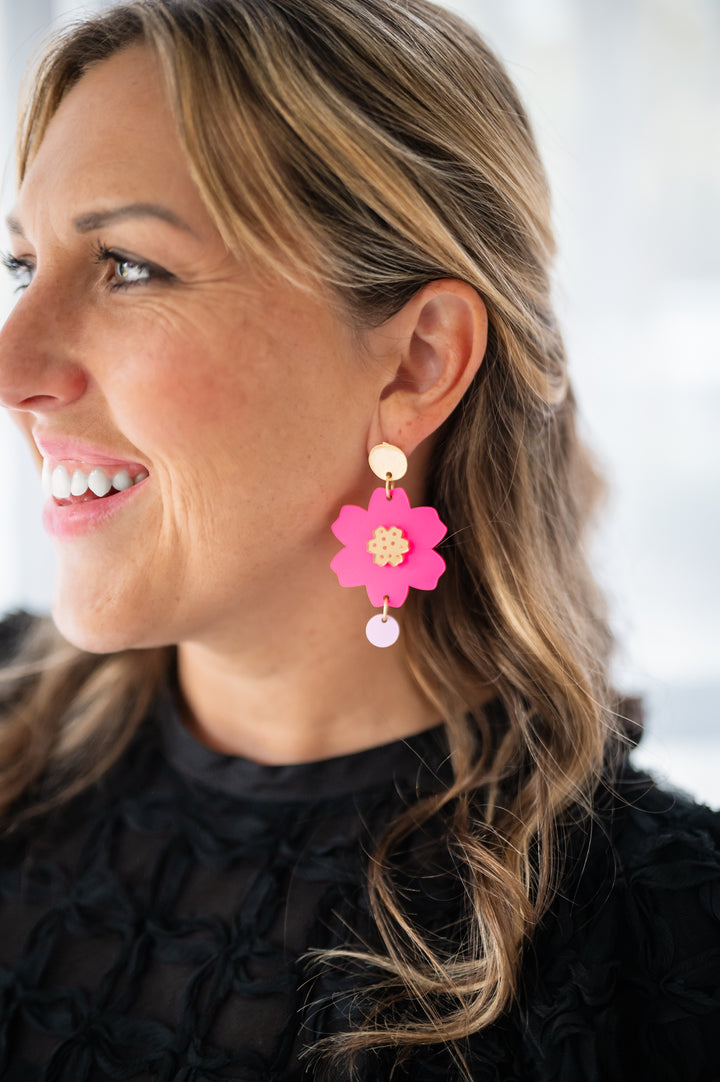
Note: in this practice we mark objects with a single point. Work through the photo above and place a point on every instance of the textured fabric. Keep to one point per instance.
(154, 929)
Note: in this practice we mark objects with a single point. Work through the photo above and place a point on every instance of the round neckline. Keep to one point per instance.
(419, 762)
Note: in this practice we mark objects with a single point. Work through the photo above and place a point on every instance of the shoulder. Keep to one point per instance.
(625, 969)
(661, 837)
(644, 838)
(665, 851)
(666, 856)
(645, 842)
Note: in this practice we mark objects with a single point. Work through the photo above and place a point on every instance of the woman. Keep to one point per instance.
(257, 242)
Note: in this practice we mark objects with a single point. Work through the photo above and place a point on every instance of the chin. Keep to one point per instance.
(101, 629)
(87, 635)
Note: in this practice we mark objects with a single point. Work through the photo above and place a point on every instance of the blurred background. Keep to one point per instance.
(625, 98)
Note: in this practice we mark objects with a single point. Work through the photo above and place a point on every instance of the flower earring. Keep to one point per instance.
(390, 546)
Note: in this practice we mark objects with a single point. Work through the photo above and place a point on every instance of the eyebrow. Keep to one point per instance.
(87, 223)
(14, 226)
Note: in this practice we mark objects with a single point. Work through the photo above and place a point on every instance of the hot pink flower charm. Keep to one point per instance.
(388, 548)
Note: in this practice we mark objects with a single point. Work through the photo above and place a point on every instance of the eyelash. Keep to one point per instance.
(16, 267)
(102, 254)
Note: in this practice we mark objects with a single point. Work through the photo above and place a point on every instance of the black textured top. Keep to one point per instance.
(154, 928)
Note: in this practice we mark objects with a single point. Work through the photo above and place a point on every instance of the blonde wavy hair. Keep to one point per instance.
(375, 146)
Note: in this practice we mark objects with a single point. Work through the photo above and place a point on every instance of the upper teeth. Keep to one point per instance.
(58, 482)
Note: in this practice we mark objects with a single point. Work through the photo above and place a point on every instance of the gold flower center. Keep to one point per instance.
(388, 546)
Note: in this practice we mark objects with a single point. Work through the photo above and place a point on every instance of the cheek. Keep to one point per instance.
(169, 395)
(275, 398)
(222, 440)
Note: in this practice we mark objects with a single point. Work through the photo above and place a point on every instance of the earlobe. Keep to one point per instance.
(439, 339)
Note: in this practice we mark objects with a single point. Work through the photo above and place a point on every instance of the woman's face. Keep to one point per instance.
(140, 345)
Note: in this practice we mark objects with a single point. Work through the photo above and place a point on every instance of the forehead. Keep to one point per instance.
(112, 138)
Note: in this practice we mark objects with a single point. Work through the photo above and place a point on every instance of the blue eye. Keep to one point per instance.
(128, 271)
(20, 270)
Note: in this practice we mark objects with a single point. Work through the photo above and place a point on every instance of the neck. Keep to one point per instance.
(300, 685)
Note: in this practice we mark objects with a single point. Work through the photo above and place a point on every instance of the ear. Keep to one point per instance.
(431, 350)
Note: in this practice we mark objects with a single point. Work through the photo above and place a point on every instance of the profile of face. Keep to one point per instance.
(202, 422)
(139, 345)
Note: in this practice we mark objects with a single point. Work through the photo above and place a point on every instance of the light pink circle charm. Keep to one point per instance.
(382, 632)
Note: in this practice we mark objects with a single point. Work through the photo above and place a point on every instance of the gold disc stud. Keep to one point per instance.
(386, 458)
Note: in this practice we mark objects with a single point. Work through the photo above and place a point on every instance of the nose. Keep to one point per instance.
(38, 371)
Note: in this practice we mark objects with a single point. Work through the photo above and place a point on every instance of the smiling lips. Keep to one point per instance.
(75, 482)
